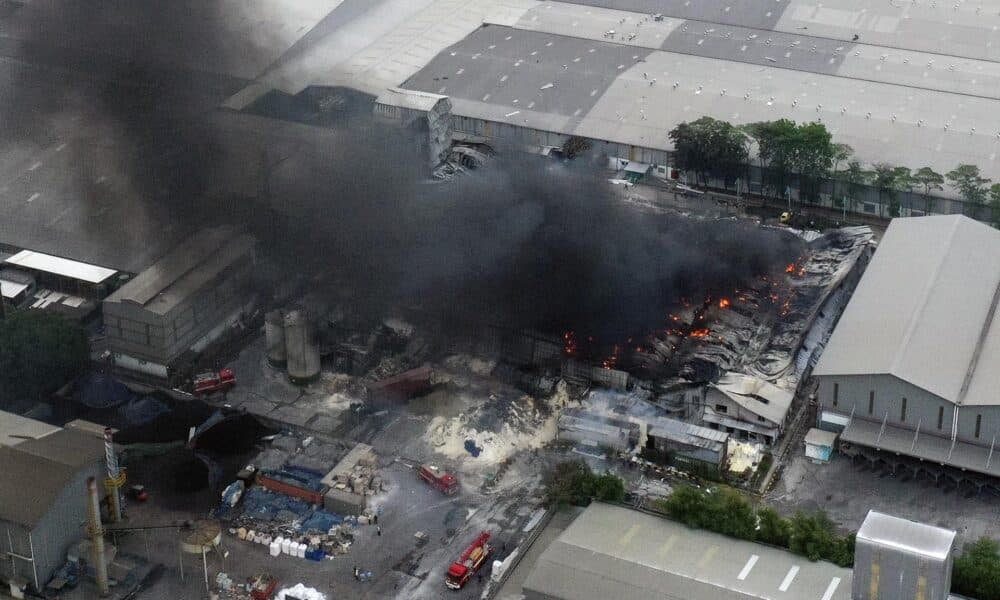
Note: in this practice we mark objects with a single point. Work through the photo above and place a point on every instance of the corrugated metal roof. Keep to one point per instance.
(615, 552)
(185, 269)
(908, 536)
(35, 472)
(46, 263)
(15, 429)
(411, 99)
(10, 289)
(686, 433)
(756, 395)
(931, 285)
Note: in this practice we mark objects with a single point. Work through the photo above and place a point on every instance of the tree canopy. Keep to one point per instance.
(969, 183)
(976, 573)
(39, 352)
(726, 511)
(572, 482)
(710, 147)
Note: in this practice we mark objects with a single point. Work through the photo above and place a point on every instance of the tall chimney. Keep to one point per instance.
(96, 531)
(114, 480)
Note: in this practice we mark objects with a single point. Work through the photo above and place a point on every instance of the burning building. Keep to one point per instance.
(912, 365)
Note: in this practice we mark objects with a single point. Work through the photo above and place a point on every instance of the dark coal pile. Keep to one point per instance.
(230, 434)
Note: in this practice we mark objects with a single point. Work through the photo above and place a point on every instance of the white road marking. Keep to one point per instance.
(627, 537)
(666, 546)
(61, 147)
(787, 581)
(707, 557)
(33, 197)
(830, 589)
(748, 567)
(35, 166)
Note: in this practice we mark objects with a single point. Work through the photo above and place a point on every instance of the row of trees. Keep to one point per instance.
(805, 152)
(726, 511)
(976, 572)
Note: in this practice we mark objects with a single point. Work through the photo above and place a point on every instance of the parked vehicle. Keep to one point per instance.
(444, 482)
(471, 561)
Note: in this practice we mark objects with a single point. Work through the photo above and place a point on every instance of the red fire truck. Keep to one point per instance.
(471, 561)
(208, 383)
(439, 480)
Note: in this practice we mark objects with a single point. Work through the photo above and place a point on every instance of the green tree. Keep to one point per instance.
(994, 204)
(572, 482)
(687, 505)
(39, 352)
(885, 178)
(772, 528)
(931, 181)
(608, 488)
(976, 573)
(841, 154)
(813, 536)
(969, 183)
(812, 152)
(709, 147)
(904, 182)
(774, 141)
(855, 178)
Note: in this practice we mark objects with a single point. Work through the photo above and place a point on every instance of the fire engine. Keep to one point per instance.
(439, 480)
(208, 383)
(471, 560)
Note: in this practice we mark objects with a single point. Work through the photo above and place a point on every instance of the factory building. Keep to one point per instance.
(592, 429)
(426, 112)
(43, 501)
(182, 302)
(911, 368)
(72, 288)
(748, 407)
(615, 552)
(687, 444)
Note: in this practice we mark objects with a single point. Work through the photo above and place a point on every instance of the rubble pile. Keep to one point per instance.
(498, 426)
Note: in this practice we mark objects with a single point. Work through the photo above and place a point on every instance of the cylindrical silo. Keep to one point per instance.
(274, 337)
(301, 349)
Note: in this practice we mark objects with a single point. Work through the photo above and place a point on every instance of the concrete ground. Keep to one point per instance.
(847, 492)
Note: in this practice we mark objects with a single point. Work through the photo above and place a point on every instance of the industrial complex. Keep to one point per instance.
(407, 299)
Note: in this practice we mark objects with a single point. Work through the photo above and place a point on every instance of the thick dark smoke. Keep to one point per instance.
(523, 242)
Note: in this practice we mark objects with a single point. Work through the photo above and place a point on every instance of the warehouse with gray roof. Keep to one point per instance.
(43, 497)
(183, 300)
(611, 551)
(616, 73)
(913, 365)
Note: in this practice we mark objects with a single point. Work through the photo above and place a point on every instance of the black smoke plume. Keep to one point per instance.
(522, 242)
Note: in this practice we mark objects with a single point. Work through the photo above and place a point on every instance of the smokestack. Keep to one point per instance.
(96, 531)
(115, 478)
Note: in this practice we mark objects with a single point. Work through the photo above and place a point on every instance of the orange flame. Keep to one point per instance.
(724, 303)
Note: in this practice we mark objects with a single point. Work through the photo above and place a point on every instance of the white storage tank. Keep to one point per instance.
(274, 337)
(301, 349)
